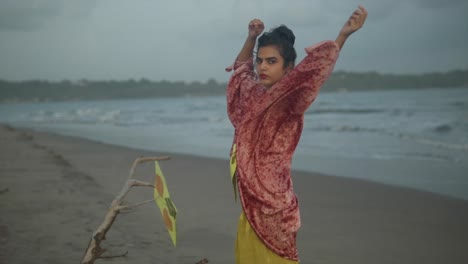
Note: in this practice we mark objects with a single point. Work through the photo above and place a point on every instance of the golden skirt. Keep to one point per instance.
(251, 250)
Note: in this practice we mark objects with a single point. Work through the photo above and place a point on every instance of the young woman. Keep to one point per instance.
(267, 109)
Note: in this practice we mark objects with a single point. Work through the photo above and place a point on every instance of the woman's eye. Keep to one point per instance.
(271, 61)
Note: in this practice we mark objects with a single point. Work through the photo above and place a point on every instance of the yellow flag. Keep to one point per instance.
(165, 204)
(233, 168)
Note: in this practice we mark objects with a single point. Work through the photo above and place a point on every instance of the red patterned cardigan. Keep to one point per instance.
(268, 124)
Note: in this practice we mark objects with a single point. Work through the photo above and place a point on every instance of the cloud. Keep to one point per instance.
(24, 16)
(439, 3)
(300, 14)
(37, 14)
(196, 39)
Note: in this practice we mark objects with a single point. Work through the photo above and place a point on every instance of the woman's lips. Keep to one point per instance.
(263, 76)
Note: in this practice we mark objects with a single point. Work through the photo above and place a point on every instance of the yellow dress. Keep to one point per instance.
(249, 248)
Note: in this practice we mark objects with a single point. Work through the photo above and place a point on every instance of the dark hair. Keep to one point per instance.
(283, 38)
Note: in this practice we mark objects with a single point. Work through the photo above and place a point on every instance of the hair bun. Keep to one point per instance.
(285, 33)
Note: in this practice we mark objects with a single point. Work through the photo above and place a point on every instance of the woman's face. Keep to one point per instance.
(270, 65)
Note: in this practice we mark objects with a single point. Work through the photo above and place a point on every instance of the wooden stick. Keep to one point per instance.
(132, 206)
(94, 250)
(115, 256)
(142, 160)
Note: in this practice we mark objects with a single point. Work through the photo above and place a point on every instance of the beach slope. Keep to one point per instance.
(55, 190)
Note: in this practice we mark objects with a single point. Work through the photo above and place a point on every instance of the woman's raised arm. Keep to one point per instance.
(256, 27)
(354, 22)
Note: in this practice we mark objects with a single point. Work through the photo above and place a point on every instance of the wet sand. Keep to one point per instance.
(55, 191)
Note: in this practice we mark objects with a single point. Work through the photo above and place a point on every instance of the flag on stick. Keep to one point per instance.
(233, 168)
(165, 204)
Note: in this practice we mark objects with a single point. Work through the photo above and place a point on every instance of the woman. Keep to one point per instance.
(267, 110)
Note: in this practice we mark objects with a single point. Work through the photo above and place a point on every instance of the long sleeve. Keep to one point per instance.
(240, 85)
(302, 84)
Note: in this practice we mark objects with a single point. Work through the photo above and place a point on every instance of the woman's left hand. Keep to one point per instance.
(355, 21)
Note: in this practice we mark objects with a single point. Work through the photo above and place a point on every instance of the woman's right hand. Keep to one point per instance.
(256, 28)
(355, 21)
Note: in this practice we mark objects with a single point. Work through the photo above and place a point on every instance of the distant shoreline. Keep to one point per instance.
(43, 91)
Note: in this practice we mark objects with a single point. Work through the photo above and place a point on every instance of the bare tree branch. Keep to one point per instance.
(94, 250)
(143, 160)
(115, 256)
(132, 206)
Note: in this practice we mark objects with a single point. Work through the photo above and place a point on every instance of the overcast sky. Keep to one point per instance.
(194, 40)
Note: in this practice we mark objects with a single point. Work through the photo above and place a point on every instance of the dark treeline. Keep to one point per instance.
(39, 90)
(375, 81)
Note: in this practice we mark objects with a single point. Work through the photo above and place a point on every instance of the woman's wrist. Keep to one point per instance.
(251, 38)
(341, 39)
(344, 34)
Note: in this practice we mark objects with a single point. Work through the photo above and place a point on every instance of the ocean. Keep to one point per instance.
(416, 138)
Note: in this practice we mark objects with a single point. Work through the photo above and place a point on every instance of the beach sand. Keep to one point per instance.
(55, 191)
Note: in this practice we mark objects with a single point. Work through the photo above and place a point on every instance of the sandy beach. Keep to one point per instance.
(55, 191)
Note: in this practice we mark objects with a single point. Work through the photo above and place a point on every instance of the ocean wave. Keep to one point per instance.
(202, 106)
(445, 128)
(85, 115)
(434, 143)
(343, 111)
(459, 104)
(401, 135)
(416, 156)
(346, 128)
(122, 117)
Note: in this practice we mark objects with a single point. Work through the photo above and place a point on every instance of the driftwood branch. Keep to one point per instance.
(115, 256)
(143, 160)
(94, 250)
(132, 206)
(203, 261)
